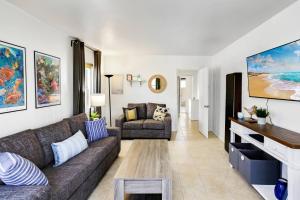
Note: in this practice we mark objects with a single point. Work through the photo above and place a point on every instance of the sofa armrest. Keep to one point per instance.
(168, 124)
(25, 192)
(119, 121)
(114, 131)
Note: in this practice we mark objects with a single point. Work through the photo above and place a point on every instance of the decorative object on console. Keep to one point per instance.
(18, 171)
(160, 113)
(108, 76)
(157, 83)
(240, 115)
(96, 130)
(251, 111)
(13, 88)
(67, 149)
(97, 100)
(47, 80)
(130, 114)
(261, 114)
(280, 189)
(117, 84)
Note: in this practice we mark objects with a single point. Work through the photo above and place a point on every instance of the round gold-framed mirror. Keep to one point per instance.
(157, 83)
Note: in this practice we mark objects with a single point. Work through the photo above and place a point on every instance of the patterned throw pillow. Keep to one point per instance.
(68, 148)
(160, 113)
(130, 114)
(18, 171)
(96, 130)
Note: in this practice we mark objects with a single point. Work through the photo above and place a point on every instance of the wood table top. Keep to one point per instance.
(283, 136)
(146, 159)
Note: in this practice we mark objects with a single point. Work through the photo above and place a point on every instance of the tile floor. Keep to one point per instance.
(200, 166)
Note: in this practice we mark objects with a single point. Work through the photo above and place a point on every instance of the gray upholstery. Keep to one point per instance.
(25, 144)
(138, 124)
(76, 178)
(50, 134)
(144, 134)
(151, 108)
(65, 179)
(153, 124)
(147, 128)
(77, 123)
(141, 109)
(25, 192)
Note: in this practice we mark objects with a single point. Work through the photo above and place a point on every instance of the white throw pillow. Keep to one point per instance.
(160, 113)
(69, 148)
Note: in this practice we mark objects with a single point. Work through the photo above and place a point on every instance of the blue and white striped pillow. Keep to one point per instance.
(18, 171)
(68, 148)
(96, 130)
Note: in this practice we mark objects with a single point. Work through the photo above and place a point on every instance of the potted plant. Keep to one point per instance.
(261, 114)
(94, 116)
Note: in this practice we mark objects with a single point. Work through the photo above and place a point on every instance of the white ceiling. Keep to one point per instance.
(168, 27)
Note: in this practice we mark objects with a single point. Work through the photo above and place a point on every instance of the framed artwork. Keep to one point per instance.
(47, 80)
(13, 87)
(117, 84)
(129, 77)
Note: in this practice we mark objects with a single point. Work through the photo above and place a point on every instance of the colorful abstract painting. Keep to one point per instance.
(47, 80)
(12, 78)
(275, 73)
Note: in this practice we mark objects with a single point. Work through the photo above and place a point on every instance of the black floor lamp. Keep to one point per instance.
(109, 98)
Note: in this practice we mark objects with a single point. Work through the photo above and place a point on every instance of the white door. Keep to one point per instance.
(203, 79)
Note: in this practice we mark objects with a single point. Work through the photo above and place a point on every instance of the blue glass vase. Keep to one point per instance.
(280, 189)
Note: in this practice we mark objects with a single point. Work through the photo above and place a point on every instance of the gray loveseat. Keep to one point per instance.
(75, 179)
(145, 126)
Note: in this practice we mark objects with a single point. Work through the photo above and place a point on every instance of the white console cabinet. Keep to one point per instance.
(282, 144)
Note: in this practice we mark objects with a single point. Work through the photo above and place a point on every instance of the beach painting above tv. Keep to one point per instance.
(275, 73)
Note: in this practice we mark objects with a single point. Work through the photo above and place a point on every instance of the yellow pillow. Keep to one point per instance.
(130, 114)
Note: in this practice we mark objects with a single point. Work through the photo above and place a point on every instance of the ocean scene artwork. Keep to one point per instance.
(47, 80)
(12, 78)
(275, 73)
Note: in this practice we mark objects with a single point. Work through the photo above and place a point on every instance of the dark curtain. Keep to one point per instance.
(97, 75)
(78, 77)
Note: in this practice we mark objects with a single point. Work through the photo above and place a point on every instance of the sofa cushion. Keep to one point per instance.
(70, 147)
(107, 143)
(25, 144)
(138, 124)
(130, 114)
(67, 178)
(151, 108)
(25, 192)
(51, 134)
(18, 171)
(141, 109)
(76, 123)
(96, 130)
(153, 124)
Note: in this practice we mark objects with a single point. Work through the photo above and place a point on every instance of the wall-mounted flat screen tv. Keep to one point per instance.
(275, 73)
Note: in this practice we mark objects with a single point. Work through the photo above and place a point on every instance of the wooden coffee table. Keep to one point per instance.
(145, 170)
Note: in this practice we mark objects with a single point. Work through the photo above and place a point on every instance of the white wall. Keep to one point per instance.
(280, 29)
(147, 66)
(21, 29)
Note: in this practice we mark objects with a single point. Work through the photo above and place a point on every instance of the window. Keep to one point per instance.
(88, 86)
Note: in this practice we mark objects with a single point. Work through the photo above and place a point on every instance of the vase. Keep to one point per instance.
(261, 120)
(280, 189)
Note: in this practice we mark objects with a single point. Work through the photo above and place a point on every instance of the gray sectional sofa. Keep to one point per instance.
(145, 126)
(75, 179)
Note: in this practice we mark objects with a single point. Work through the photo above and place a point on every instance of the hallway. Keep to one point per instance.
(200, 169)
